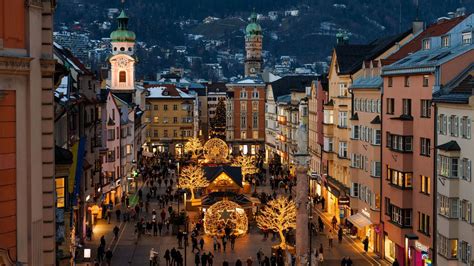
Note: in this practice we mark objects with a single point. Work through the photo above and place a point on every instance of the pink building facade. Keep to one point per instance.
(408, 137)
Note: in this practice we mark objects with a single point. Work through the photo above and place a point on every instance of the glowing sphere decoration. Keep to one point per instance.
(216, 151)
(225, 214)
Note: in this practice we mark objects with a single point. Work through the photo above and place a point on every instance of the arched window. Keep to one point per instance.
(122, 76)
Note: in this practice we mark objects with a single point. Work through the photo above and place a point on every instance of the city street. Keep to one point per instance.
(128, 251)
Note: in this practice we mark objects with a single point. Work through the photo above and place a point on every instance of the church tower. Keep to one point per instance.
(253, 47)
(122, 61)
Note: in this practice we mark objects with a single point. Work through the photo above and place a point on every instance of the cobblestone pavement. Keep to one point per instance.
(128, 251)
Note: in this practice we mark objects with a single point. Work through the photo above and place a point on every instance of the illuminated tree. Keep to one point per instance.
(279, 215)
(194, 146)
(247, 164)
(192, 177)
(218, 122)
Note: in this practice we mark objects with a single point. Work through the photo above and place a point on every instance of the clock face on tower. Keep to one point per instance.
(122, 62)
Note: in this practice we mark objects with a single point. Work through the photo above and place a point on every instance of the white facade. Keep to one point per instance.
(455, 187)
(271, 125)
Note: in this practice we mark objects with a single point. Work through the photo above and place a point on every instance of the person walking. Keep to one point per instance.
(339, 235)
(344, 261)
(232, 242)
(330, 238)
(210, 258)
(334, 222)
(238, 262)
(249, 261)
(167, 257)
(108, 257)
(224, 242)
(320, 224)
(197, 259)
(100, 253)
(204, 259)
(118, 213)
(349, 261)
(116, 231)
(153, 257)
(320, 259)
(102, 241)
(366, 244)
(214, 240)
(260, 256)
(201, 243)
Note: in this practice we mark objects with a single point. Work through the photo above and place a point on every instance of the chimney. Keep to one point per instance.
(460, 11)
(417, 26)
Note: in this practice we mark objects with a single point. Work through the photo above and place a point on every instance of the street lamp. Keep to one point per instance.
(310, 225)
(185, 231)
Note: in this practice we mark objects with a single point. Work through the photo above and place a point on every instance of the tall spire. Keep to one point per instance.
(122, 21)
(122, 33)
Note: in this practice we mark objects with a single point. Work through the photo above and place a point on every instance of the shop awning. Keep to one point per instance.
(359, 220)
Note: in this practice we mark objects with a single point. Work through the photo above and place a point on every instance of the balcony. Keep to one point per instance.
(403, 124)
(329, 155)
(328, 130)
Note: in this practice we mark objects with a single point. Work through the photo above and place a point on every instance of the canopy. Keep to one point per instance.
(359, 220)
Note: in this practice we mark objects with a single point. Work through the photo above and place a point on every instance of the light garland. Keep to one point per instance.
(224, 214)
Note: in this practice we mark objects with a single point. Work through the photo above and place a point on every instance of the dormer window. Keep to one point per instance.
(445, 41)
(426, 44)
(467, 37)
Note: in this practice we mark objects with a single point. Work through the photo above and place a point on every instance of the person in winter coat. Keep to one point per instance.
(366, 244)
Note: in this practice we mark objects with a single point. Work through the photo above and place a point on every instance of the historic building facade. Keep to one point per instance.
(455, 110)
(408, 134)
(316, 101)
(171, 115)
(27, 219)
(245, 108)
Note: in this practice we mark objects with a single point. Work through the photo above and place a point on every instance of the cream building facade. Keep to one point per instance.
(455, 228)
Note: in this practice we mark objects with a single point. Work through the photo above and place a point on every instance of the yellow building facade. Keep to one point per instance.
(170, 113)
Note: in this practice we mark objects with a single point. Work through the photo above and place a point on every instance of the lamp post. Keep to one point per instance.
(310, 225)
(186, 230)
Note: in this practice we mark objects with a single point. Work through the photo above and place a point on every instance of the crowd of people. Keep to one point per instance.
(159, 177)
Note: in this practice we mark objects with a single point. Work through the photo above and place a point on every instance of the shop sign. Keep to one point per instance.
(344, 201)
(421, 247)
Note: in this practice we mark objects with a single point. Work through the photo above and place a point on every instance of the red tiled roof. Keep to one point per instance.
(414, 45)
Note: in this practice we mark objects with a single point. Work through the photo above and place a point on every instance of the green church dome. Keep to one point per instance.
(122, 34)
(253, 28)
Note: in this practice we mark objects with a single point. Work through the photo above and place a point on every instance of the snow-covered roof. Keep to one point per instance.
(61, 92)
(163, 92)
(249, 80)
